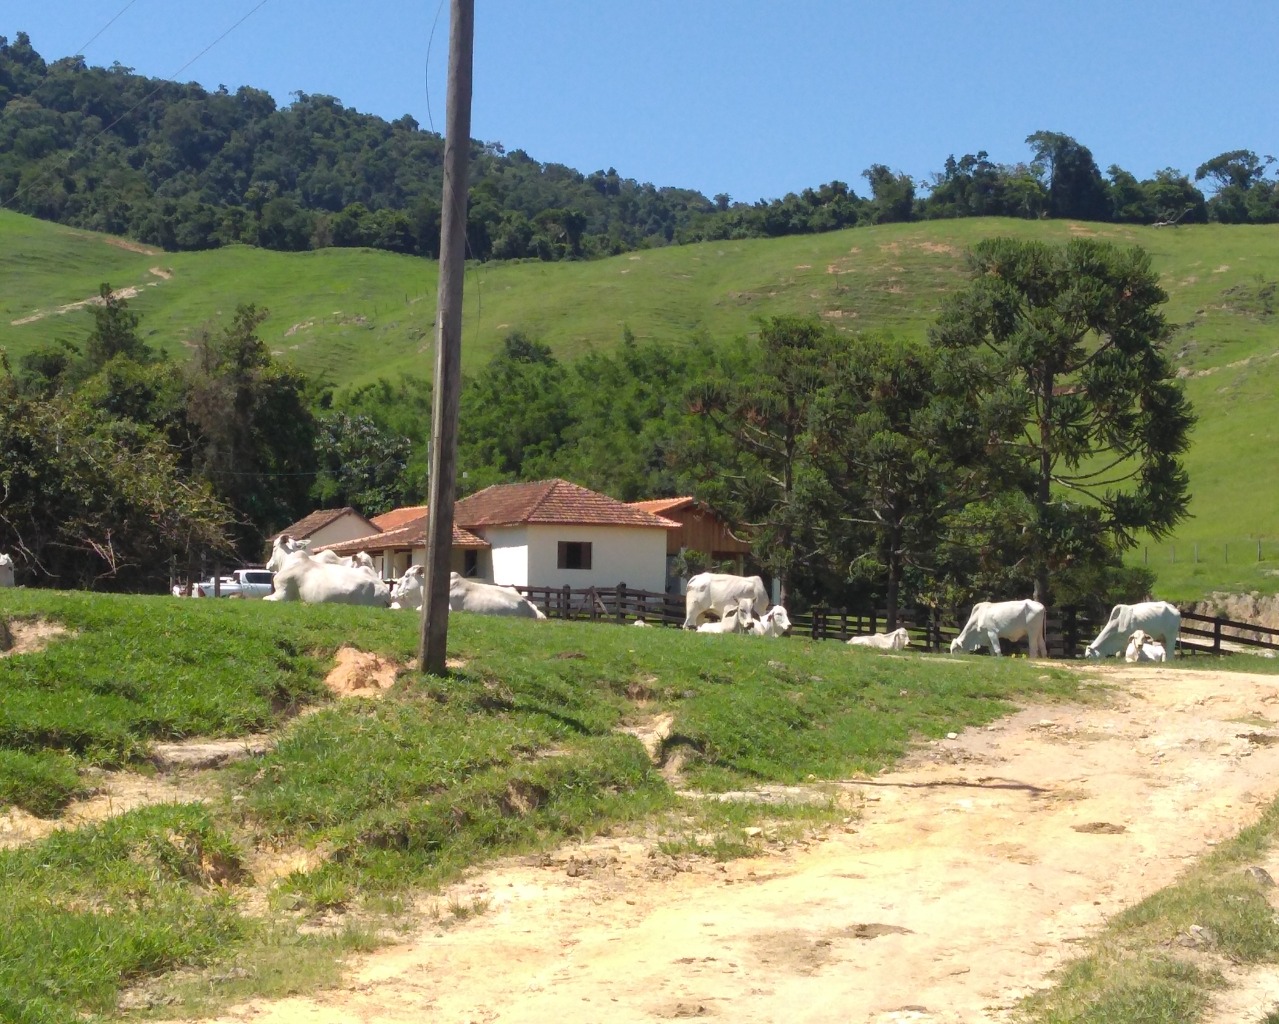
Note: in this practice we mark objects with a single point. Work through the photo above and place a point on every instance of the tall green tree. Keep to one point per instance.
(906, 435)
(1077, 331)
(1075, 185)
(114, 333)
(254, 430)
(761, 407)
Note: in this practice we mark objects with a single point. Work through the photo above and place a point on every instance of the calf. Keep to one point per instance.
(897, 640)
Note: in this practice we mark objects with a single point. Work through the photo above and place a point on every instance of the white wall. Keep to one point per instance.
(347, 527)
(510, 555)
(632, 555)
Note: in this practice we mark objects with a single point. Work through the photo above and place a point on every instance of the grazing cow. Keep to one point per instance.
(897, 640)
(737, 618)
(303, 577)
(1142, 648)
(1011, 620)
(714, 591)
(774, 622)
(6, 570)
(1159, 619)
(489, 599)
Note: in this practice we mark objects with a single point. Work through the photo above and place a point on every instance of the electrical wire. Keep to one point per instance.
(85, 46)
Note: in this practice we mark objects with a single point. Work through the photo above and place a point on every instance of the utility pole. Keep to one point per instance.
(448, 342)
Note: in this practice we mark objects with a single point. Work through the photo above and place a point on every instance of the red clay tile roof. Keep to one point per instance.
(550, 502)
(398, 517)
(315, 522)
(410, 535)
(659, 505)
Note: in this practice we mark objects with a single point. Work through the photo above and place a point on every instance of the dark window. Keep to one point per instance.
(574, 554)
(470, 563)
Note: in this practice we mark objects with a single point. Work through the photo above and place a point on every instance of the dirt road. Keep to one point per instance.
(965, 880)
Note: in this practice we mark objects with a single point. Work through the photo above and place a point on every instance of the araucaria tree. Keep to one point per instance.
(1077, 331)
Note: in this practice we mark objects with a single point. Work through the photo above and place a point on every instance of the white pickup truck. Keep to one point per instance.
(238, 583)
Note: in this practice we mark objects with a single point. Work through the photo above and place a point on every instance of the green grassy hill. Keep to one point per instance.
(353, 315)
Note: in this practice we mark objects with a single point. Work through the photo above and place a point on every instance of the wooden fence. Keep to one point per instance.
(1067, 632)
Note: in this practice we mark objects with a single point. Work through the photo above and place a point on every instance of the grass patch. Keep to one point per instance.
(1134, 971)
(89, 910)
(41, 784)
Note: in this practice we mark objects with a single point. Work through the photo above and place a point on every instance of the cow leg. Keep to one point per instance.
(994, 643)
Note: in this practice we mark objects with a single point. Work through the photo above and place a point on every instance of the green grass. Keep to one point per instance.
(515, 751)
(351, 315)
(1135, 971)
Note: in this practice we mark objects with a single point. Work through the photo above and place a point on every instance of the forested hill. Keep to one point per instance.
(177, 166)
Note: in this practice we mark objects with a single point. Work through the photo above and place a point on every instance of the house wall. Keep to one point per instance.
(508, 558)
(632, 555)
(347, 527)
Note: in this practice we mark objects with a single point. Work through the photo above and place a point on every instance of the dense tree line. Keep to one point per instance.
(178, 166)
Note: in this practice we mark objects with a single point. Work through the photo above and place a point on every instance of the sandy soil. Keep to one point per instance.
(968, 876)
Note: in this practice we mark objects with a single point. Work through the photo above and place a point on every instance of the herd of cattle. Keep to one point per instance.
(738, 604)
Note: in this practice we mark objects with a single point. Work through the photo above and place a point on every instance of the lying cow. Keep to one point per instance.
(6, 570)
(897, 640)
(408, 589)
(304, 577)
(1159, 619)
(713, 592)
(1010, 620)
(774, 622)
(489, 599)
(737, 618)
(1142, 648)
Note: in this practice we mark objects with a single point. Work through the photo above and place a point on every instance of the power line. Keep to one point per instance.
(85, 46)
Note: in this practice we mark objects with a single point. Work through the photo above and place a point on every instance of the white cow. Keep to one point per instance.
(897, 640)
(774, 622)
(1011, 620)
(284, 545)
(715, 591)
(303, 577)
(408, 589)
(6, 570)
(281, 548)
(489, 599)
(1142, 648)
(737, 618)
(1159, 619)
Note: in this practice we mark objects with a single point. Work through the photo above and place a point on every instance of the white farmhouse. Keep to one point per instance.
(551, 533)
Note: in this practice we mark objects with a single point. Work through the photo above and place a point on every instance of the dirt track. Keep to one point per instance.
(966, 880)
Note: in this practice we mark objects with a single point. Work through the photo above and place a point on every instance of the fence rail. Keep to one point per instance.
(1067, 630)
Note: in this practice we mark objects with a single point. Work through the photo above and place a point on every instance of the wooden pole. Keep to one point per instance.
(448, 342)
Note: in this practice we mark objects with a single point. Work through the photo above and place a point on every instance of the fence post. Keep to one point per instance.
(843, 623)
(1216, 636)
(1068, 631)
(566, 601)
(621, 602)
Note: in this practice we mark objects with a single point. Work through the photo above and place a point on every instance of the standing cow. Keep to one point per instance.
(714, 592)
(1010, 620)
(1159, 619)
(6, 570)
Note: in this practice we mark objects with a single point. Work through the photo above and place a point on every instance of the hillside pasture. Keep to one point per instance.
(351, 316)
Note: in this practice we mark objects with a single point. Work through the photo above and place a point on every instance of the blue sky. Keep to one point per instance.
(748, 97)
